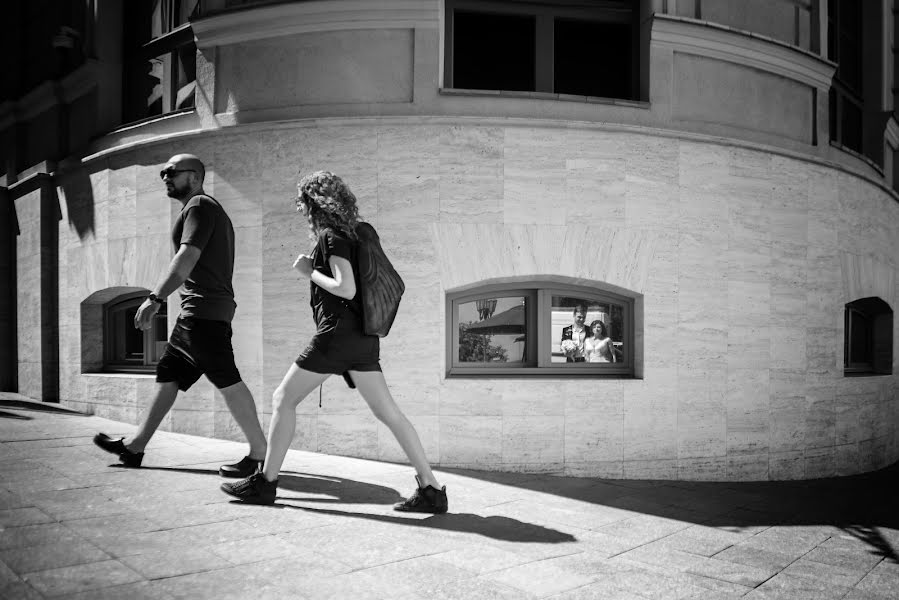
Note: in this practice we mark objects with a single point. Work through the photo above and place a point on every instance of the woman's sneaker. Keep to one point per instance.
(255, 489)
(425, 500)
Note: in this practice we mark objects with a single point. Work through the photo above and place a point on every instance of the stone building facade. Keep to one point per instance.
(731, 199)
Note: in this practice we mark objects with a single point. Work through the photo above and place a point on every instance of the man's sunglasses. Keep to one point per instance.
(172, 172)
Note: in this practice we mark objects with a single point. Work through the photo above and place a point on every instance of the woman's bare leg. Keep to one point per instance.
(296, 385)
(373, 387)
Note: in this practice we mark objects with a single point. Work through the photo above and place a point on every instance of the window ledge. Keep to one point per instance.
(857, 155)
(539, 374)
(865, 374)
(121, 375)
(544, 96)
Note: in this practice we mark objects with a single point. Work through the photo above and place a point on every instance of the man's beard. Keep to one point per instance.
(177, 193)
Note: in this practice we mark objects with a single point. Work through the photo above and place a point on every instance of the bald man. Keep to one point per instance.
(200, 343)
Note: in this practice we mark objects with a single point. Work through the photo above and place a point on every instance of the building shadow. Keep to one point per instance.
(10, 415)
(861, 506)
(39, 407)
(80, 200)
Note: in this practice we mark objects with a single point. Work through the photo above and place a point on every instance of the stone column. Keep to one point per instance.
(37, 296)
(8, 233)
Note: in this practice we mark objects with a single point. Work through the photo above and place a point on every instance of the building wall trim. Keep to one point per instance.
(305, 17)
(742, 47)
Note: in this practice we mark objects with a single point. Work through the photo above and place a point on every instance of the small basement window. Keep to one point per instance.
(126, 348)
(868, 338)
(537, 329)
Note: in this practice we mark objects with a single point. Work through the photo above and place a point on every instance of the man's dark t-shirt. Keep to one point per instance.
(207, 292)
(326, 307)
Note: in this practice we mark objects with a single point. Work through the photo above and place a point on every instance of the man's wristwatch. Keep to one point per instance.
(156, 299)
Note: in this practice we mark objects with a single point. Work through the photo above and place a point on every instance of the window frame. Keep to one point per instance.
(113, 364)
(539, 356)
(545, 13)
(168, 47)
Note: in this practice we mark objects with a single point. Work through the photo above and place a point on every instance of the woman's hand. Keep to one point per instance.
(303, 264)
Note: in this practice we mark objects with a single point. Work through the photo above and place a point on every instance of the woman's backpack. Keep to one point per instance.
(381, 286)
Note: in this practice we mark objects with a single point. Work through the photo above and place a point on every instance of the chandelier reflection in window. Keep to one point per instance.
(485, 307)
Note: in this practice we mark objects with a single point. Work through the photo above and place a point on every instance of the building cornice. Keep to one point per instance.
(256, 23)
(720, 42)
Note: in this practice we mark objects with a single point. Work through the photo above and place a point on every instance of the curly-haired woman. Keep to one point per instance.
(338, 347)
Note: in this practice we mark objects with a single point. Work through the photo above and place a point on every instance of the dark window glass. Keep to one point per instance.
(868, 342)
(127, 348)
(851, 125)
(859, 340)
(494, 52)
(592, 58)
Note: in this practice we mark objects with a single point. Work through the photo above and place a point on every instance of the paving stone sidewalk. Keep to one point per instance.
(74, 525)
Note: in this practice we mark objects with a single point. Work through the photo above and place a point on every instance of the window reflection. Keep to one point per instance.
(493, 330)
(586, 331)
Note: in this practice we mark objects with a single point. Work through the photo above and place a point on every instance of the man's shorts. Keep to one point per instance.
(197, 347)
(340, 350)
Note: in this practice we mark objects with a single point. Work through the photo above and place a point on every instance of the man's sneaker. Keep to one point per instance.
(126, 456)
(426, 500)
(255, 489)
(245, 467)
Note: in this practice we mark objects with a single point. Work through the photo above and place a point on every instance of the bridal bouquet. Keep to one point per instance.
(569, 346)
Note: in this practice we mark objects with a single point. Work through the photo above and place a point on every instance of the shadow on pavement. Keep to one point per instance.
(859, 505)
(10, 415)
(338, 490)
(39, 407)
(496, 527)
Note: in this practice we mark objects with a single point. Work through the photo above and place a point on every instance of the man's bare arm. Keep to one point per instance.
(179, 270)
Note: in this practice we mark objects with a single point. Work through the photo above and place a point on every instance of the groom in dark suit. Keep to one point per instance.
(577, 332)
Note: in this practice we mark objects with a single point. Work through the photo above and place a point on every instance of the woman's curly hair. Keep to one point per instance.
(329, 204)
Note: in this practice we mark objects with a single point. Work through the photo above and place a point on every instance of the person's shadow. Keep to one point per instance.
(327, 490)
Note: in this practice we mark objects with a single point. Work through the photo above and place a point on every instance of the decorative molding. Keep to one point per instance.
(306, 17)
(891, 133)
(742, 47)
(102, 151)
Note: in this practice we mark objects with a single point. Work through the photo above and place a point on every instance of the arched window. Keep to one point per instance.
(537, 329)
(868, 338)
(126, 348)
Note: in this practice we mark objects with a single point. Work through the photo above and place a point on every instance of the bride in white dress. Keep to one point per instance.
(598, 349)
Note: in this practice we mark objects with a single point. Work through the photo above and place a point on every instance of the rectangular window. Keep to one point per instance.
(494, 51)
(578, 48)
(160, 58)
(554, 330)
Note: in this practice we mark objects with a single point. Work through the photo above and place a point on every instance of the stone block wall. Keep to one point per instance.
(744, 260)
